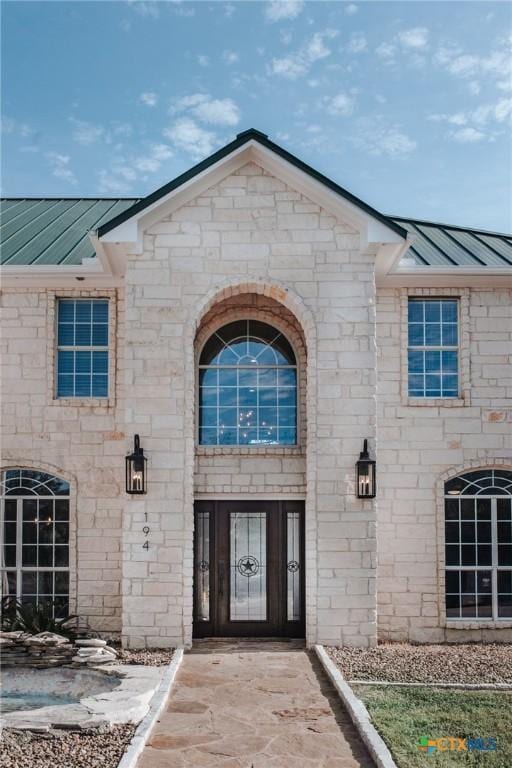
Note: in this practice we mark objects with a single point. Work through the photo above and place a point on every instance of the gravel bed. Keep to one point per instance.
(148, 657)
(403, 663)
(61, 749)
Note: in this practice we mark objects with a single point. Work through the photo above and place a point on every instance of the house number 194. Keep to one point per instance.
(145, 531)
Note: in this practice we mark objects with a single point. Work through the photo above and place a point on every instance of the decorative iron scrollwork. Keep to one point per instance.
(293, 566)
(248, 566)
(203, 566)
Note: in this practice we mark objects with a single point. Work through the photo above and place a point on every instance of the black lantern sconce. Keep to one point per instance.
(365, 475)
(136, 480)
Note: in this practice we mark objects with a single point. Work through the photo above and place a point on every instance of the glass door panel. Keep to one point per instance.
(248, 566)
(293, 565)
(202, 566)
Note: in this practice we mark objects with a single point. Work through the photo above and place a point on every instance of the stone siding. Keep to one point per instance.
(81, 441)
(251, 234)
(419, 446)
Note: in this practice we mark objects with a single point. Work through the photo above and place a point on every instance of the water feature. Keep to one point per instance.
(12, 702)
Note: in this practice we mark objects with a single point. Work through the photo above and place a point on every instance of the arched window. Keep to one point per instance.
(247, 387)
(478, 545)
(35, 538)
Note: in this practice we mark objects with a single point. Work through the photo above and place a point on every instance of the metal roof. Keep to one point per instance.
(51, 231)
(447, 245)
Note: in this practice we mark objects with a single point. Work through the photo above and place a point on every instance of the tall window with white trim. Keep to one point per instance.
(82, 348)
(247, 387)
(34, 542)
(433, 347)
(478, 545)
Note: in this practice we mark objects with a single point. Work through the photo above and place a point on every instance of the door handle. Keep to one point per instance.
(221, 578)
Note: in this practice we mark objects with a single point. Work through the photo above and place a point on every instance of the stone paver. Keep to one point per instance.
(253, 704)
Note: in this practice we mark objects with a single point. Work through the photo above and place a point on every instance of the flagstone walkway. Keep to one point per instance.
(253, 704)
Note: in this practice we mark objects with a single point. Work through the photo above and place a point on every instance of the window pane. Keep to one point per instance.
(416, 335)
(432, 335)
(82, 324)
(431, 324)
(416, 311)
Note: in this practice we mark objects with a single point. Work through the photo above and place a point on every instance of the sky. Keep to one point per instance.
(408, 105)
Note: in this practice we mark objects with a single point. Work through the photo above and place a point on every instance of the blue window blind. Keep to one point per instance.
(433, 348)
(82, 348)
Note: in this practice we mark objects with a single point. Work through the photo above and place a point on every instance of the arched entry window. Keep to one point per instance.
(247, 387)
(35, 538)
(478, 545)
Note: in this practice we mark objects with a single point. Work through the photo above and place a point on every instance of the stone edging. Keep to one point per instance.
(463, 686)
(357, 711)
(143, 730)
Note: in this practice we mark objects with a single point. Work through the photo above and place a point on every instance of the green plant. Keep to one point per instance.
(35, 618)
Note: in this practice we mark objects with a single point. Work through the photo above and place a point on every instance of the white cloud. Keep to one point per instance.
(290, 67)
(209, 110)
(277, 10)
(497, 65)
(351, 9)
(230, 57)
(11, 126)
(316, 48)
(86, 133)
(146, 9)
(297, 64)
(468, 135)
(385, 51)
(61, 169)
(189, 137)
(110, 184)
(380, 139)
(341, 105)
(203, 60)
(149, 98)
(152, 162)
(358, 43)
(416, 38)
(474, 87)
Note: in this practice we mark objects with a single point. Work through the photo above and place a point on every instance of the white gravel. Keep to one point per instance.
(58, 749)
(404, 663)
(148, 657)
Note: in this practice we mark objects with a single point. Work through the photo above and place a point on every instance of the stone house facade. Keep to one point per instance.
(116, 319)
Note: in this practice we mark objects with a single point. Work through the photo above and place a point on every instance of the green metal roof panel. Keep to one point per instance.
(52, 231)
(448, 245)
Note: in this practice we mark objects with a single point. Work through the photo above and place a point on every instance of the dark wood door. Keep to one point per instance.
(249, 569)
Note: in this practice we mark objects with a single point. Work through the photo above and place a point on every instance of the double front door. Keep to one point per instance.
(249, 569)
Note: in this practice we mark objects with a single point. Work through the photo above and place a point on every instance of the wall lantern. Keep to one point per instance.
(136, 481)
(365, 475)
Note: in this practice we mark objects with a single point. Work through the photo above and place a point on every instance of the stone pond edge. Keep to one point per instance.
(157, 703)
(357, 711)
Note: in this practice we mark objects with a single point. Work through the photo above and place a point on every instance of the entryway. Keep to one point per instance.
(253, 704)
(249, 569)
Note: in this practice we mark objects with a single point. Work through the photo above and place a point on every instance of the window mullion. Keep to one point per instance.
(494, 574)
(19, 551)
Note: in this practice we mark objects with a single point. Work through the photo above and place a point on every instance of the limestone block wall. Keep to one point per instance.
(419, 446)
(82, 441)
(251, 234)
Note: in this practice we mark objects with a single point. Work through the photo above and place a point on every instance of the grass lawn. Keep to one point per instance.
(403, 715)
